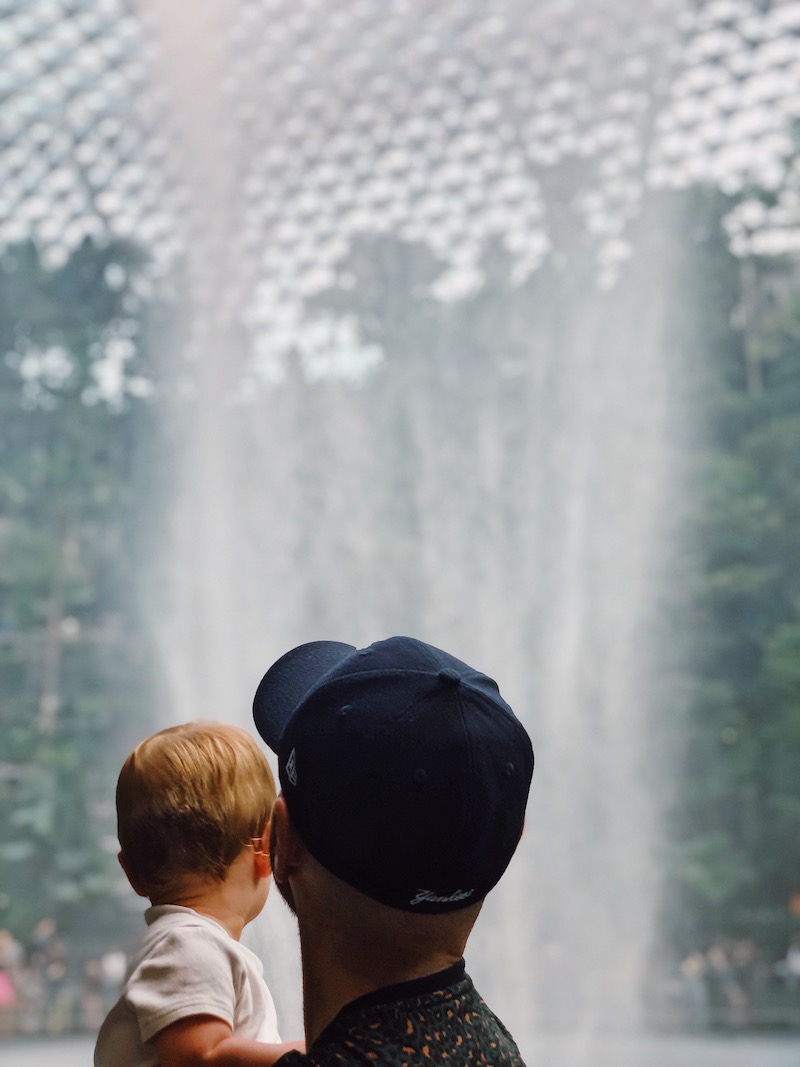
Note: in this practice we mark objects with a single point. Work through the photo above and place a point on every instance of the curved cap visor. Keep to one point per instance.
(289, 681)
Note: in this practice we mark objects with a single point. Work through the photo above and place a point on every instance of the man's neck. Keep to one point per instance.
(334, 977)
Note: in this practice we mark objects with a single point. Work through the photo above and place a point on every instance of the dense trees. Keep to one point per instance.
(71, 670)
(735, 865)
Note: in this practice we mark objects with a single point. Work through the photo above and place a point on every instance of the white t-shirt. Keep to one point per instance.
(186, 964)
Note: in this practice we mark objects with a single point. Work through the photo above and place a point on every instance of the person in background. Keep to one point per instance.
(193, 810)
(789, 967)
(49, 959)
(405, 778)
(10, 960)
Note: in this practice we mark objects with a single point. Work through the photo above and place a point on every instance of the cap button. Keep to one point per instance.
(448, 675)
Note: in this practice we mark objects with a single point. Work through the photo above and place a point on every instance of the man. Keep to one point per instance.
(405, 777)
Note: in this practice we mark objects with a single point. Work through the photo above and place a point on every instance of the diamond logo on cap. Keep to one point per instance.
(291, 767)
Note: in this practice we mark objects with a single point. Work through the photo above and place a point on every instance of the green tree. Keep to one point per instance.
(736, 858)
(71, 669)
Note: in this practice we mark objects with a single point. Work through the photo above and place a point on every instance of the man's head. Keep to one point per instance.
(189, 799)
(404, 772)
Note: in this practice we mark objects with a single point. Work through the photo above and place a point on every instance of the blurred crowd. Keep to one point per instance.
(45, 990)
(730, 985)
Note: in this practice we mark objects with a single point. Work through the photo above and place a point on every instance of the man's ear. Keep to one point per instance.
(285, 847)
(134, 884)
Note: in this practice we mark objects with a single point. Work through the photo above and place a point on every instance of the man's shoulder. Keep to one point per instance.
(452, 1023)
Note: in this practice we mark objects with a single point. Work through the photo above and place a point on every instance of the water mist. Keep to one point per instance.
(428, 392)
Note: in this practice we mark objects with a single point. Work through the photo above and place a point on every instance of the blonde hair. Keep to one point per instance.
(189, 799)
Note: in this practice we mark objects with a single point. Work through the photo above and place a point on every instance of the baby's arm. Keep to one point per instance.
(203, 1041)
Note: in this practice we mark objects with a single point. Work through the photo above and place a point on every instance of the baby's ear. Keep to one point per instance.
(134, 884)
(261, 854)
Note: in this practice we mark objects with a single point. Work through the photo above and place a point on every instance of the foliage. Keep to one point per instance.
(70, 657)
(735, 864)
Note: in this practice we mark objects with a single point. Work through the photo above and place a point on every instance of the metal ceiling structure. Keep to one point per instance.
(451, 125)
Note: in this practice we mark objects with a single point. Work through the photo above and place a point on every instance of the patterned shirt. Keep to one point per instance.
(440, 1018)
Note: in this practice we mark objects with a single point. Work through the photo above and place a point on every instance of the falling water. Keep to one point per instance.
(432, 392)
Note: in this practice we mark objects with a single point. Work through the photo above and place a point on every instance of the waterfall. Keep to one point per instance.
(428, 387)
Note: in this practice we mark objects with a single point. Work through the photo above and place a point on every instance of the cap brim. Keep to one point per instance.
(287, 683)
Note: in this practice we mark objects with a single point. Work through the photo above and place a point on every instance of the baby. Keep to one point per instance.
(193, 810)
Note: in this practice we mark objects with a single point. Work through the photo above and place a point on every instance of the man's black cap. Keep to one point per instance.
(405, 772)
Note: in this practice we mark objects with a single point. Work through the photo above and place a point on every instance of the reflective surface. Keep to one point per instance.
(652, 1052)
